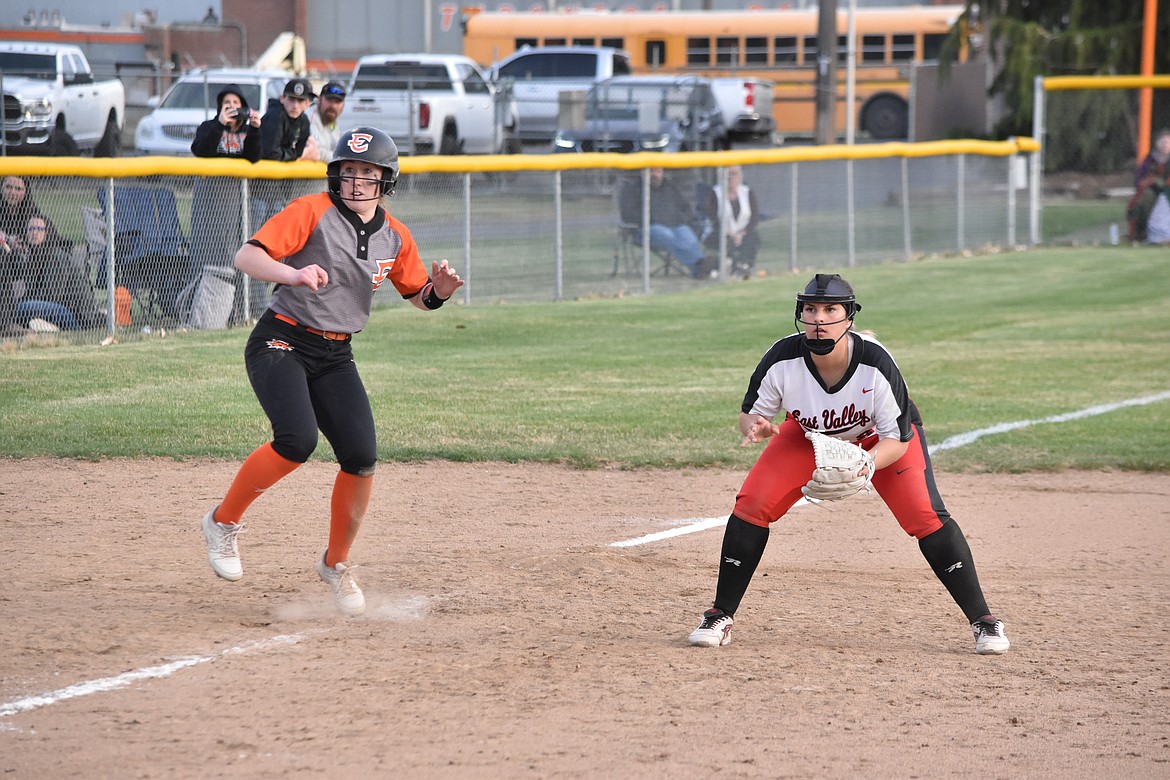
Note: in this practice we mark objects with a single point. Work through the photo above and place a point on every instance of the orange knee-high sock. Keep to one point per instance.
(260, 471)
(351, 496)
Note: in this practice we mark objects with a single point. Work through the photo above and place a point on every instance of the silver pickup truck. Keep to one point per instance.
(53, 104)
(538, 76)
(432, 104)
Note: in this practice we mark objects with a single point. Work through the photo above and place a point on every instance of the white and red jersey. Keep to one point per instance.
(870, 399)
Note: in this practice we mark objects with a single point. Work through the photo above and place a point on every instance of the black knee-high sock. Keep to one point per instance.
(947, 552)
(743, 546)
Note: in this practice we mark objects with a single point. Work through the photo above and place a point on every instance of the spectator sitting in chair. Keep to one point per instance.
(670, 226)
(16, 207)
(10, 285)
(1149, 182)
(55, 290)
(740, 220)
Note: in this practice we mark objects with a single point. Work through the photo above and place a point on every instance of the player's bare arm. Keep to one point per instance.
(888, 451)
(256, 263)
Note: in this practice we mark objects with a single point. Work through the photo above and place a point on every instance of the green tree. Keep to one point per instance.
(1029, 38)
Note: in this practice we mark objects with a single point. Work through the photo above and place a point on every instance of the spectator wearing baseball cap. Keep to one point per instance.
(323, 119)
(299, 88)
(285, 136)
(284, 130)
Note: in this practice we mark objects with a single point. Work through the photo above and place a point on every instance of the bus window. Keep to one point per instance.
(810, 50)
(655, 53)
(554, 41)
(584, 42)
(698, 51)
(902, 48)
(932, 44)
(522, 42)
(727, 51)
(785, 50)
(755, 51)
(613, 43)
(873, 48)
(842, 48)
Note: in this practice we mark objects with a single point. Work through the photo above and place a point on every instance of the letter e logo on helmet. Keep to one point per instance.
(359, 142)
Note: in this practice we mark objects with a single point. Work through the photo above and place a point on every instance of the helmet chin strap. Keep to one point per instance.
(823, 346)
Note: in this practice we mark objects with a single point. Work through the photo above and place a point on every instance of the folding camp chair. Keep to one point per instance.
(152, 258)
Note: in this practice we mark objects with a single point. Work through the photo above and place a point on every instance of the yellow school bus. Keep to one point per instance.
(777, 45)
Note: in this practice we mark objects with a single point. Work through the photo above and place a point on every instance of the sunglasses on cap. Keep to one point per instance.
(336, 92)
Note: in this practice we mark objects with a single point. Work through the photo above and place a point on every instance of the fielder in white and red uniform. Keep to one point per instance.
(834, 380)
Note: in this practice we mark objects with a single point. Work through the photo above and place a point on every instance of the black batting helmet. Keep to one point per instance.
(370, 145)
(829, 288)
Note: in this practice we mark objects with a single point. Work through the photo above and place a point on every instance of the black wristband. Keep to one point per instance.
(430, 298)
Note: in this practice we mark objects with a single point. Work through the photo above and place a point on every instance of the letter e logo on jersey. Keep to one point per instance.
(359, 142)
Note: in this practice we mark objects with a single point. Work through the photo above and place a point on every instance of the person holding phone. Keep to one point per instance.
(217, 205)
(233, 132)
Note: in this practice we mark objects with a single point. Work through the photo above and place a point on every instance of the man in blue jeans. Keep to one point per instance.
(670, 228)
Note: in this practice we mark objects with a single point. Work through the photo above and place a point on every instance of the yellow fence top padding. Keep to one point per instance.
(131, 167)
(1057, 83)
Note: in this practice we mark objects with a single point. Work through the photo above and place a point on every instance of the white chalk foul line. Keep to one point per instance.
(11, 708)
(706, 523)
(1092, 411)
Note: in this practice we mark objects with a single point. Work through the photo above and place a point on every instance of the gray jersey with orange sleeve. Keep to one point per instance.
(358, 257)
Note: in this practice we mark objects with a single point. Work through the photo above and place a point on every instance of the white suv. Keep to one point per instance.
(170, 128)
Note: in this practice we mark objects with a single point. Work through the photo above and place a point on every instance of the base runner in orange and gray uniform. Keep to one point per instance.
(327, 254)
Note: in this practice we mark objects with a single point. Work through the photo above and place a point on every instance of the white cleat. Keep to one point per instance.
(714, 631)
(223, 549)
(346, 593)
(990, 638)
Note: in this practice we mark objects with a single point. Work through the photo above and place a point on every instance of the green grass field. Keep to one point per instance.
(657, 380)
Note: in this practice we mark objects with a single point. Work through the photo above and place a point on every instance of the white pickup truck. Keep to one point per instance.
(53, 104)
(746, 104)
(432, 104)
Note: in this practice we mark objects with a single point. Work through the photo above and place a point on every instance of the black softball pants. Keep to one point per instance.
(306, 383)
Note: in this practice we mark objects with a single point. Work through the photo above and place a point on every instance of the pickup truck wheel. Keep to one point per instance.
(449, 143)
(885, 118)
(61, 144)
(111, 141)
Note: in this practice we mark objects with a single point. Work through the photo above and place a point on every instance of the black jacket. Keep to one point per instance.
(282, 138)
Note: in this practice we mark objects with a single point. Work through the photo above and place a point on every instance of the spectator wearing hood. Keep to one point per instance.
(217, 204)
(233, 132)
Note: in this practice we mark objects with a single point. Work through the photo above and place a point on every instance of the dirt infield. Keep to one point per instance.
(506, 637)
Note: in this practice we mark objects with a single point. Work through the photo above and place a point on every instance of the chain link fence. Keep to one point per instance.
(145, 245)
(1088, 128)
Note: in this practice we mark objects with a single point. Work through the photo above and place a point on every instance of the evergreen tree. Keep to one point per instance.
(1029, 38)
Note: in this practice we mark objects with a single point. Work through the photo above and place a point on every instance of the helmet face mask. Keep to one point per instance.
(827, 288)
(368, 145)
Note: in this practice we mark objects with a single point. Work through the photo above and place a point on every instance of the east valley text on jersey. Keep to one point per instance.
(871, 397)
(319, 229)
